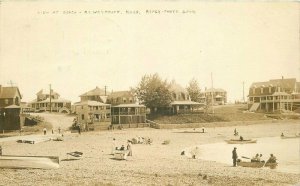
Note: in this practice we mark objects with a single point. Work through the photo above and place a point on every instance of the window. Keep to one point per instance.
(270, 89)
(253, 90)
(82, 116)
(6, 101)
(261, 90)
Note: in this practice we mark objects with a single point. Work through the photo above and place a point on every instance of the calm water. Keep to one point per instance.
(287, 152)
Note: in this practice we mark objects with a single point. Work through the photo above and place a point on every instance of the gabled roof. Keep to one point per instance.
(9, 92)
(95, 92)
(298, 86)
(129, 105)
(187, 102)
(44, 92)
(59, 100)
(282, 83)
(92, 103)
(117, 94)
(280, 94)
(215, 90)
(12, 107)
(176, 88)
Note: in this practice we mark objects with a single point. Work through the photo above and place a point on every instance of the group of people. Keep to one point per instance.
(141, 140)
(45, 131)
(256, 158)
(122, 148)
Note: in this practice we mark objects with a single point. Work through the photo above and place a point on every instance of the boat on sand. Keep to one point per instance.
(238, 141)
(256, 164)
(33, 162)
(288, 137)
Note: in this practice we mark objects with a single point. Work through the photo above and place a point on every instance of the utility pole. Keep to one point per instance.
(105, 87)
(11, 83)
(212, 94)
(243, 92)
(50, 99)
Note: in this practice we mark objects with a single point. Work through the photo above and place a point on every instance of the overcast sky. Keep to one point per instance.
(235, 42)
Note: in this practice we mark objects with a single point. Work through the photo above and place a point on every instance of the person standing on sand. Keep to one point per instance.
(45, 131)
(113, 148)
(234, 156)
(129, 148)
(79, 129)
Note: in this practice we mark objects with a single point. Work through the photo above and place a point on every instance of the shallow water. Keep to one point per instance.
(287, 152)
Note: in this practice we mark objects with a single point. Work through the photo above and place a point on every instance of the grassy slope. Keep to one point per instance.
(221, 113)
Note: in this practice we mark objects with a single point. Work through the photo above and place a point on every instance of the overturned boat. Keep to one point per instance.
(120, 154)
(238, 141)
(288, 137)
(256, 164)
(33, 162)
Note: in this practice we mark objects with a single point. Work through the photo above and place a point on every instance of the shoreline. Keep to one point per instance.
(154, 164)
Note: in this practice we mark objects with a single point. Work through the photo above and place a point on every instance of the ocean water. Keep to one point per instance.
(287, 152)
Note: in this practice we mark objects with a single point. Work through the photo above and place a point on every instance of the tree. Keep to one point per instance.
(154, 92)
(194, 90)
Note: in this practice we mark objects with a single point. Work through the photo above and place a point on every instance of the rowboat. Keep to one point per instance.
(237, 141)
(256, 164)
(120, 154)
(24, 162)
(288, 137)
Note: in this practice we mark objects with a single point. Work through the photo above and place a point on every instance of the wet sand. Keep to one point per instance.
(154, 164)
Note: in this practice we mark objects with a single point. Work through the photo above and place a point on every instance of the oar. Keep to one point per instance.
(264, 164)
(245, 157)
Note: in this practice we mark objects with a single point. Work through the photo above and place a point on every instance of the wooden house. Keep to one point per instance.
(56, 104)
(10, 110)
(96, 94)
(128, 115)
(121, 97)
(274, 95)
(93, 115)
(181, 103)
(215, 96)
(125, 110)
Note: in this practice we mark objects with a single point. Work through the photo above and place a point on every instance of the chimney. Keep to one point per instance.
(282, 77)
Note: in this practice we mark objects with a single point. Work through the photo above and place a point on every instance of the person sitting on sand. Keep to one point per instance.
(241, 138)
(272, 159)
(282, 135)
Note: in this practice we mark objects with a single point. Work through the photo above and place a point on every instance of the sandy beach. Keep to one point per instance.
(154, 164)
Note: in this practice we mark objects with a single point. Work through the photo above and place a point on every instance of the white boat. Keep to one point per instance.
(24, 162)
(120, 154)
(238, 141)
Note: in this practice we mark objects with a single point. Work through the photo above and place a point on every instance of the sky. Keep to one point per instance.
(44, 42)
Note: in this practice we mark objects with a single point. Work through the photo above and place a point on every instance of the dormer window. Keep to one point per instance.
(261, 90)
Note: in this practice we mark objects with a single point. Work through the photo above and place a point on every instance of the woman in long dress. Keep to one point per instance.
(129, 148)
(113, 148)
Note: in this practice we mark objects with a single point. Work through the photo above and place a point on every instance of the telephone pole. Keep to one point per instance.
(105, 87)
(50, 99)
(212, 94)
(243, 92)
